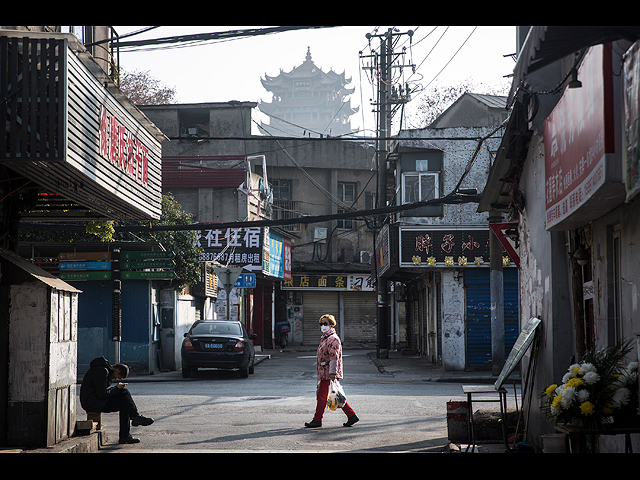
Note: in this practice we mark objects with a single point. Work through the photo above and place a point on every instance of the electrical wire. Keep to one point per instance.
(199, 38)
(451, 59)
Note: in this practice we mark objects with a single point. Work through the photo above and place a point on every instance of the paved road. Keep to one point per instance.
(216, 411)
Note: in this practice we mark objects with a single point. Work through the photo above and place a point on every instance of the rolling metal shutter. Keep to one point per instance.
(360, 317)
(479, 314)
(315, 304)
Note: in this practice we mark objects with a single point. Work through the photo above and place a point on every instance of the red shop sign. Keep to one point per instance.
(577, 136)
(122, 149)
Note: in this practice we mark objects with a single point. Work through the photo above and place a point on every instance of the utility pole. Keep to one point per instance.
(496, 289)
(387, 96)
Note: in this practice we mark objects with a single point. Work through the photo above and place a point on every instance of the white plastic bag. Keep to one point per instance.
(337, 398)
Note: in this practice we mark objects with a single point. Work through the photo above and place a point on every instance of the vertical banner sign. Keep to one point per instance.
(287, 258)
(273, 258)
(116, 311)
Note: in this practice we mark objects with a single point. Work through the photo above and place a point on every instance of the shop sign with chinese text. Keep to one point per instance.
(347, 282)
(233, 246)
(578, 147)
(453, 246)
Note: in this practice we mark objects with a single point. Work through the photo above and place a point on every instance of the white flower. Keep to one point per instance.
(620, 397)
(568, 395)
(630, 374)
(583, 396)
(591, 377)
(586, 368)
(555, 411)
(567, 376)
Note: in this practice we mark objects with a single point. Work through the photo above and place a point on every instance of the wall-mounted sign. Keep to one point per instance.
(347, 282)
(276, 255)
(583, 172)
(453, 246)
(233, 246)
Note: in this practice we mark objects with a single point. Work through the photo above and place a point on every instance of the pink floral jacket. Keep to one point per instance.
(329, 359)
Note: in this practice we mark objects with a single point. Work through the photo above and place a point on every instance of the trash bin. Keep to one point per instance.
(458, 421)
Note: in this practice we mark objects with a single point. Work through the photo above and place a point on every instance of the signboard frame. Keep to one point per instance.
(582, 170)
(441, 246)
(75, 169)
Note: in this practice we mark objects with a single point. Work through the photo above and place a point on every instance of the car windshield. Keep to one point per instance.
(216, 328)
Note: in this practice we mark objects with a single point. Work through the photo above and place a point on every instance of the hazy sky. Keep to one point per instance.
(220, 71)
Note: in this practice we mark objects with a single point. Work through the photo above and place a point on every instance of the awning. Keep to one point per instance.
(547, 44)
(85, 150)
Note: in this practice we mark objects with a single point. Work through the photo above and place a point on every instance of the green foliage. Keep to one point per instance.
(102, 229)
(182, 242)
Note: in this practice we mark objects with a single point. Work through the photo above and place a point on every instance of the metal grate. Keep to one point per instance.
(32, 98)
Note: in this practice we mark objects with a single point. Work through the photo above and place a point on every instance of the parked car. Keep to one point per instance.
(218, 344)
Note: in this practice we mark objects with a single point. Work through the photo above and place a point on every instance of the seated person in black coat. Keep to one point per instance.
(98, 395)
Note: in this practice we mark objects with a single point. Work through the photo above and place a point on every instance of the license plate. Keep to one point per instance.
(213, 345)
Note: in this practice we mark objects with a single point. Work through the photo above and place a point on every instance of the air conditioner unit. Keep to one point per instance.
(365, 257)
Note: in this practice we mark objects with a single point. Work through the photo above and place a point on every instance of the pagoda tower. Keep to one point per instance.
(307, 102)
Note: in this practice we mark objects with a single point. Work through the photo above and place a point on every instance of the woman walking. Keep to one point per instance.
(329, 364)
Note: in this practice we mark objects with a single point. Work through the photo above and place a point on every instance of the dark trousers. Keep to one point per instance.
(124, 404)
(321, 398)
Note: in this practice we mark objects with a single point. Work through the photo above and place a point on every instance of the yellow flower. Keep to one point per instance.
(556, 401)
(587, 408)
(552, 388)
(607, 409)
(575, 383)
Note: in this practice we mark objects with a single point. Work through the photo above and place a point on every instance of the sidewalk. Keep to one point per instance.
(397, 363)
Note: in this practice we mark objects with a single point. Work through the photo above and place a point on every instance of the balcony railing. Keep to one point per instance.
(285, 209)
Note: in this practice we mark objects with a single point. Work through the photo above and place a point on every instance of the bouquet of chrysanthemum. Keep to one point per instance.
(596, 390)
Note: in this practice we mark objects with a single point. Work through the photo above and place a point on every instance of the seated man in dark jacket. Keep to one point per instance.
(98, 395)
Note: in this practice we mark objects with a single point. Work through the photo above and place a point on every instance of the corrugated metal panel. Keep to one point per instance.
(360, 317)
(479, 314)
(202, 171)
(314, 305)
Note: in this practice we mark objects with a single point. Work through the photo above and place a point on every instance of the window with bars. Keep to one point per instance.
(347, 195)
(283, 206)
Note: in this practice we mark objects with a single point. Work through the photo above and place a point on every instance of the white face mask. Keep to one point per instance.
(325, 328)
